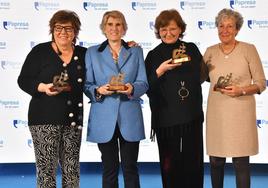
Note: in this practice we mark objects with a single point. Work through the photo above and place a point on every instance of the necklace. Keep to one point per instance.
(183, 92)
(115, 54)
(226, 54)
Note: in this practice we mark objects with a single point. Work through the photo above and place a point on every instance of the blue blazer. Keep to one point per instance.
(115, 109)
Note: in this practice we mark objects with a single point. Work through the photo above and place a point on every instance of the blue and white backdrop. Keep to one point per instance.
(25, 24)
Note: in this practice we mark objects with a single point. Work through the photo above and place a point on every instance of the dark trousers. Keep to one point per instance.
(110, 161)
(181, 157)
(242, 171)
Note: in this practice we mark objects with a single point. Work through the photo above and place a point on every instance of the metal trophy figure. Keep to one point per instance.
(223, 82)
(60, 82)
(117, 83)
(179, 56)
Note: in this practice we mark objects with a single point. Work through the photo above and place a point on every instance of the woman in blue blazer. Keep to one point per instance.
(115, 118)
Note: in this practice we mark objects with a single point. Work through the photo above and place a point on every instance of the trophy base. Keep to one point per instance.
(217, 88)
(117, 88)
(181, 60)
(60, 89)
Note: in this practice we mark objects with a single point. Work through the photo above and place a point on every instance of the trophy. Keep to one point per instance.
(179, 56)
(223, 82)
(60, 82)
(117, 84)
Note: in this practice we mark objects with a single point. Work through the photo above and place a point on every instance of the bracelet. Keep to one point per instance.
(98, 96)
(243, 92)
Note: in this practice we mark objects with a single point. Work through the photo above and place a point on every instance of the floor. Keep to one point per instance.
(23, 176)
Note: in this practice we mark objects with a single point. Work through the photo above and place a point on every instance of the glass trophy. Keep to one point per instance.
(117, 83)
(60, 82)
(223, 81)
(179, 56)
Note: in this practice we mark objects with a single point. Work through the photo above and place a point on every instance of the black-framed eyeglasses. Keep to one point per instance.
(68, 29)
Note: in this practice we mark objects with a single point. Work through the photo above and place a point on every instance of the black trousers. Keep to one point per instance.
(181, 156)
(110, 161)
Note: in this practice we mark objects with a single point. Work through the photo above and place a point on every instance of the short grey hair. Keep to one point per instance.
(229, 13)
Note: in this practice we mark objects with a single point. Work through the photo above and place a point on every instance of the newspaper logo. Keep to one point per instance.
(95, 6)
(234, 4)
(42, 5)
(259, 24)
(137, 5)
(9, 104)
(4, 5)
(262, 122)
(20, 123)
(206, 25)
(18, 25)
(192, 4)
(2, 45)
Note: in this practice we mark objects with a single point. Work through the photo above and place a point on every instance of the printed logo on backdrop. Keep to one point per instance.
(234, 4)
(259, 103)
(33, 43)
(15, 25)
(144, 101)
(44, 5)
(9, 104)
(7, 65)
(140, 5)
(17, 123)
(262, 122)
(192, 4)
(197, 43)
(258, 24)
(151, 25)
(88, 5)
(30, 143)
(206, 25)
(2, 45)
(5, 5)
(265, 64)
(146, 45)
(87, 44)
(1, 143)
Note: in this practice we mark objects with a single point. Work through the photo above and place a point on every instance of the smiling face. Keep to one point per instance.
(63, 33)
(227, 30)
(170, 33)
(114, 29)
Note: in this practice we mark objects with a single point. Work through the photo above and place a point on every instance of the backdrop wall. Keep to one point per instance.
(25, 24)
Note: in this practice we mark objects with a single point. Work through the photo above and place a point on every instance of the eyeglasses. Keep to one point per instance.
(166, 30)
(68, 29)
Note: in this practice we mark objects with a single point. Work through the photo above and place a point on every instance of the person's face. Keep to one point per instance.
(63, 33)
(227, 30)
(170, 33)
(114, 29)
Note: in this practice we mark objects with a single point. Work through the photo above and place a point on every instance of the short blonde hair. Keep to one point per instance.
(113, 14)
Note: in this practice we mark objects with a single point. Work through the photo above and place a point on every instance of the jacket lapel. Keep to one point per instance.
(108, 59)
(123, 57)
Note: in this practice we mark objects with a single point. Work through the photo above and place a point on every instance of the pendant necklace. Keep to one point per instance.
(183, 91)
(226, 55)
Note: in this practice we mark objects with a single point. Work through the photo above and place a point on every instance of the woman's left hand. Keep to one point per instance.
(232, 91)
(128, 91)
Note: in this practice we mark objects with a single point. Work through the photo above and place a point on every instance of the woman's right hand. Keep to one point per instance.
(104, 90)
(46, 88)
(166, 66)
